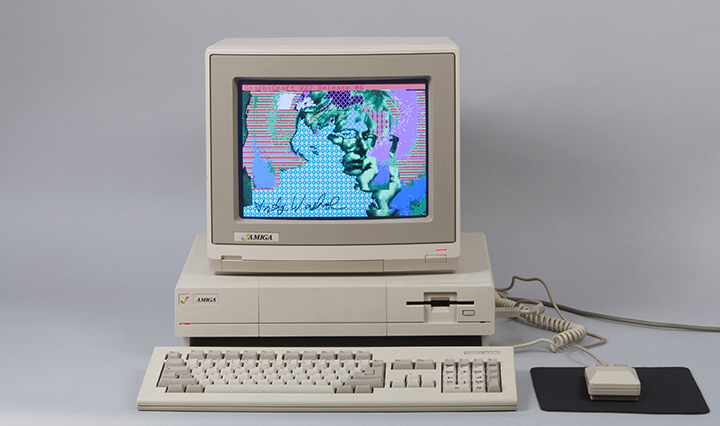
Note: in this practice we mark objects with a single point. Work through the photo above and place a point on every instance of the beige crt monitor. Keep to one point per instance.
(333, 155)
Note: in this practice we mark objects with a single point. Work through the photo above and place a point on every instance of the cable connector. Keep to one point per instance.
(507, 311)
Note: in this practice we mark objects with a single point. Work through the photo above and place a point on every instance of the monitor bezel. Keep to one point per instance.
(441, 225)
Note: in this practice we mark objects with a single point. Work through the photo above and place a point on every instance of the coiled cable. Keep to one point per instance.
(567, 333)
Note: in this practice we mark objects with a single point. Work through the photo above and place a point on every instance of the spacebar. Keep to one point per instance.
(268, 389)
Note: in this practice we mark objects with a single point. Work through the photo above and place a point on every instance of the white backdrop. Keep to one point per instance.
(590, 157)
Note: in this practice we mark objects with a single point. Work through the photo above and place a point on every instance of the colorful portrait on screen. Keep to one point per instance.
(333, 151)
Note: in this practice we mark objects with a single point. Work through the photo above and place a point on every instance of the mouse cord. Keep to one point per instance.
(567, 332)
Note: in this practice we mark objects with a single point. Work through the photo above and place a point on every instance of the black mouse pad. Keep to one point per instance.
(664, 390)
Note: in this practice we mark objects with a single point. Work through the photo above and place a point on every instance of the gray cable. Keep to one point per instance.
(590, 314)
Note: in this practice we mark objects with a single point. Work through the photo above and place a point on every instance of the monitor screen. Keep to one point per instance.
(333, 149)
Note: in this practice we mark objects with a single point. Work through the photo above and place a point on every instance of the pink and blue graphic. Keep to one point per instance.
(333, 150)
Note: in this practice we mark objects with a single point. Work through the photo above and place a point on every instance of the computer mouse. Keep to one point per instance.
(617, 382)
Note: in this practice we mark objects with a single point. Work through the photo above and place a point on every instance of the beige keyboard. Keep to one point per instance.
(330, 379)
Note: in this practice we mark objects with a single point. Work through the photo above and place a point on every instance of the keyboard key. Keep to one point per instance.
(363, 389)
(427, 383)
(167, 382)
(413, 381)
(249, 355)
(424, 364)
(175, 362)
(402, 364)
(214, 354)
(267, 355)
(194, 389)
(345, 355)
(345, 389)
(375, 382)
(360, 355)
(493, 383)
(292, 355)
(478, 386)
(196, 353)
(268, 388)
(464, 388)
(176, 369)
(327, 355)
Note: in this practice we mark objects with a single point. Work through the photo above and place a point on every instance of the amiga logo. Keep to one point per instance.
(205, 299)
(257, 237)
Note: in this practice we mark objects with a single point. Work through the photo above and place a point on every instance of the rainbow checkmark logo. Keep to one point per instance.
(183, 299)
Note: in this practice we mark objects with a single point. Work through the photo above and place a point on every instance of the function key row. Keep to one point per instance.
(271, 355)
